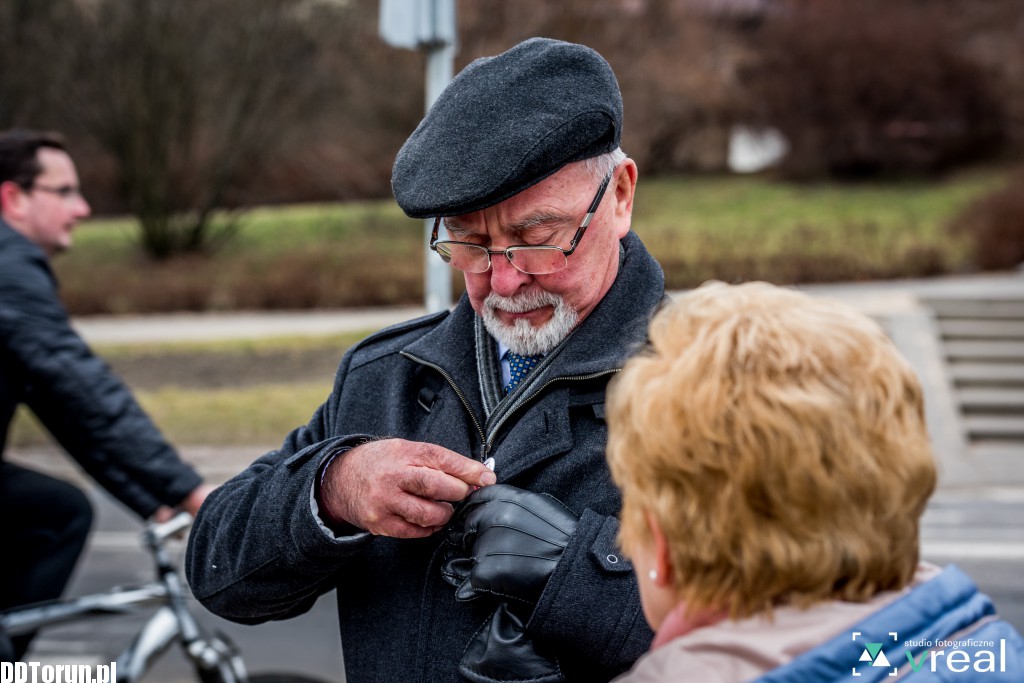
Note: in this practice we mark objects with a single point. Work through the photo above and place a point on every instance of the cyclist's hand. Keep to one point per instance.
(163, 514)
(190, 505)
(195, 499)
(398, 488)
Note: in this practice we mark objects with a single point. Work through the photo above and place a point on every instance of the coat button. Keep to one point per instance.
(612, 559)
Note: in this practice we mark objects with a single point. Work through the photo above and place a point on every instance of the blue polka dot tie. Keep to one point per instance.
(518, 366)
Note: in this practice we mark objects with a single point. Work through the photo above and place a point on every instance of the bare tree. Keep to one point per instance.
(33, 60)
(202, 105)
(190, 98)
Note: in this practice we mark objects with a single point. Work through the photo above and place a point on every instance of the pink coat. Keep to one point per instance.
(737, 651)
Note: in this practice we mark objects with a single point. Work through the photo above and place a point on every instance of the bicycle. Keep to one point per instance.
(214, 657)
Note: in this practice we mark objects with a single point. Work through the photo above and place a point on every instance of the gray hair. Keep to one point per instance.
(603, 164)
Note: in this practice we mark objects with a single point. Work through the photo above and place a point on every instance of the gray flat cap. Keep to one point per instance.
(505, 123)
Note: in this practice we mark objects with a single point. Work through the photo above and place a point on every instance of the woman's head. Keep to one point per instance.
(777, 443)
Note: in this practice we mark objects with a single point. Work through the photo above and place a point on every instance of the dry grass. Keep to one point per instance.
(258, 415)
(251, 391)
(369, 254)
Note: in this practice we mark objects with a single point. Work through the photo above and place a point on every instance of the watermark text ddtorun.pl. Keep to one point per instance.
(35, 672)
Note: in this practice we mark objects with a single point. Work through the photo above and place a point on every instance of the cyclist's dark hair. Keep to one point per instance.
(18, 154)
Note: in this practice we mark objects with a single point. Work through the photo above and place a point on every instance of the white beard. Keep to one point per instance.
(521, 337)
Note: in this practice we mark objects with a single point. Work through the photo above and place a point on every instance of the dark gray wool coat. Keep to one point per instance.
(258, 551)
(48, 367)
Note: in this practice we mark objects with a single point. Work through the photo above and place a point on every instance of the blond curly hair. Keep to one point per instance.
(780, 442)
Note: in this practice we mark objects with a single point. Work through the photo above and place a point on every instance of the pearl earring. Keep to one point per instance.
(653, 574)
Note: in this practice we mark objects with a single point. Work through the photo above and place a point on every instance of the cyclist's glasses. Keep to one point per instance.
(64, 191)
(539, 259)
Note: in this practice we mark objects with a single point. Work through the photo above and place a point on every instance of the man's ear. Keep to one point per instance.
(624, 188)
(662, 556)
(11, 195)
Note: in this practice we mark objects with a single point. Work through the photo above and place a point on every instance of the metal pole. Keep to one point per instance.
(438, 276)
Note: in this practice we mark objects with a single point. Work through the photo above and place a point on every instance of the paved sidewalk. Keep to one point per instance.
(875, 298)
(184, 327)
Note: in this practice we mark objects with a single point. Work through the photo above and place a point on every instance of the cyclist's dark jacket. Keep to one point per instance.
(45, 365)
(259, 552)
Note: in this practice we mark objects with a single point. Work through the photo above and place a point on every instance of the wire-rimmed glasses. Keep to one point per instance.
(532, 259)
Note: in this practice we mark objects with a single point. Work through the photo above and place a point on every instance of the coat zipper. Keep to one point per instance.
(486, 443)
(458, 391)
(515, 409)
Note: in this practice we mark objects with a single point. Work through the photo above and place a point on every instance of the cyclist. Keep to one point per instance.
(45, 365)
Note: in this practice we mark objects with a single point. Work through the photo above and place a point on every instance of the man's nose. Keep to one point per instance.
(506, 280)
(83, 209)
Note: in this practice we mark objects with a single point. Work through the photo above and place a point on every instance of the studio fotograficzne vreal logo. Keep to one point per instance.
(873, 655)
(956, 656)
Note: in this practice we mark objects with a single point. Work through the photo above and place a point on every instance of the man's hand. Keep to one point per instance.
(509, 543)
(398, 488)
(190, 505)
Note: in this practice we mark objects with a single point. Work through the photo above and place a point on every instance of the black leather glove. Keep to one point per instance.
(502, 650)
(506, 542)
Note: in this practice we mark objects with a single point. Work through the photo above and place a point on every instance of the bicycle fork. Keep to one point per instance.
(216, 659)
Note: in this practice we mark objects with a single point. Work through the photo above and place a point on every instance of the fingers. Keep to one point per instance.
(407, 516)
(465, 591)
(504, 505)
(516, 517)
(456, 570)
(470, 471)
(498, 491)
(422, 512)
(396, 527)
(163, 514)
(195, 499)
(433, 484)
(487, 494)
(398, 488)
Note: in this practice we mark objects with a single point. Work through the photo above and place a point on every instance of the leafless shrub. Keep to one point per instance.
(676, 67)
(994, 225)
(871, 87)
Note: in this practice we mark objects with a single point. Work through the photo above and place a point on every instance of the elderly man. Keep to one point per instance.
(379, 495)
(46, 365)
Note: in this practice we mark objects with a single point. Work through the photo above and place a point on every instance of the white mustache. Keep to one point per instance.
(521, 303)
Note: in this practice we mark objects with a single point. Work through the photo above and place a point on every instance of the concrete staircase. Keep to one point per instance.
(981, 340)
(964, 337)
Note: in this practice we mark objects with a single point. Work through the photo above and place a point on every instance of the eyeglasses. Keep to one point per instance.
(532, 259)
(64, 191)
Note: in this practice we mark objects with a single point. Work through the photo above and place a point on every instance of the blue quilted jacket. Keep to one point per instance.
(946, 632)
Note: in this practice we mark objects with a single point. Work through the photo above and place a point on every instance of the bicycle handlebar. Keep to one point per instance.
(27, 618)
(158, 533)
